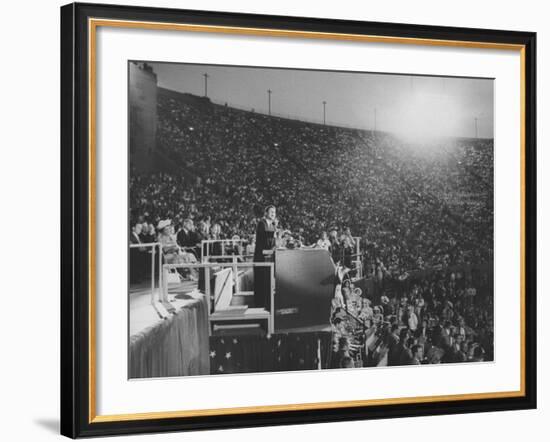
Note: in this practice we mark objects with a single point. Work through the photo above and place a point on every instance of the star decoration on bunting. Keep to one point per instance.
(228, 355)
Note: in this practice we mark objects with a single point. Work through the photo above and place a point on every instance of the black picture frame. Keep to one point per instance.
(76, 249)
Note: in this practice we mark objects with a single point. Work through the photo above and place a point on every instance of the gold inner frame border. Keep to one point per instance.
(93, 24)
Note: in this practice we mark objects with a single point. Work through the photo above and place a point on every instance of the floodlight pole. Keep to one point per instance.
(205, 75)
(269, 91)
(475, 123)
(324, 113)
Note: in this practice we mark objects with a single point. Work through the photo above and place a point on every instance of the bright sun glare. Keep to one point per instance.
(423, 117)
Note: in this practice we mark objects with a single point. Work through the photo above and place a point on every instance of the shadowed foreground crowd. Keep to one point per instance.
(433, 317)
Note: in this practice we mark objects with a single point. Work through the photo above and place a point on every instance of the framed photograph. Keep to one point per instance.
(274, 220)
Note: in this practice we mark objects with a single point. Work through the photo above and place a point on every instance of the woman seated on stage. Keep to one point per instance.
(172, 253)
(167, 240)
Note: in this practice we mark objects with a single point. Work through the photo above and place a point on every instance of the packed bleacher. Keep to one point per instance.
(424, 216)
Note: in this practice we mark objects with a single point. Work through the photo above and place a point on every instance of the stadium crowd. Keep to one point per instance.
(416, 212)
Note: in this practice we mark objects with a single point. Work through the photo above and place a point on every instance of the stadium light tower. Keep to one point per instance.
(374, 119)
(324, 113)
(269, 91)
(475, 125)
(205, 75)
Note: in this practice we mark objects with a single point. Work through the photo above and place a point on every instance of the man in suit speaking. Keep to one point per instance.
(265, 240)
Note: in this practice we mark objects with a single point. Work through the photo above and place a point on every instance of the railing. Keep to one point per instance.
(206, 246)
(206, 257)
(153, 246)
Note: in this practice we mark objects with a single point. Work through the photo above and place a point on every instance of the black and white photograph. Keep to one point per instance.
(290, 219)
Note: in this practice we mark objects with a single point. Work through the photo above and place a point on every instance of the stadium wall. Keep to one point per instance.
(142, 97)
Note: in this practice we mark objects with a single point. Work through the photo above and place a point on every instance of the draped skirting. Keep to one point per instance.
(177, 346)
(180, 346)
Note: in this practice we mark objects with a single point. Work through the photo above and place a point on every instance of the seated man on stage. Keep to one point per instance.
(214, 248)
(188, 239)
(138, 257)
(265, 240)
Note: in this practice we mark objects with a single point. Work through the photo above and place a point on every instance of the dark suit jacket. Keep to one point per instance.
(188, 239)
(265, 239)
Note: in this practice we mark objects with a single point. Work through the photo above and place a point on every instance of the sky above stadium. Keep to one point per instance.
(416, 108)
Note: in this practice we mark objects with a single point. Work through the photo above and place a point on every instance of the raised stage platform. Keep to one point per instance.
(184, 333)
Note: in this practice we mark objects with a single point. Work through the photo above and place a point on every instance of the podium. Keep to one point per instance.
(305, 280)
